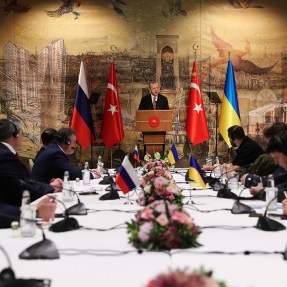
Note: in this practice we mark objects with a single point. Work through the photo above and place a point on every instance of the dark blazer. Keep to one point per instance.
(8, 213)
(161, 103)
(247, 152)
(52, 163)
(11, 171)
(39, 152)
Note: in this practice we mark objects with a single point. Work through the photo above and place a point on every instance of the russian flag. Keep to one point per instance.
(136, 154)
(173, 155)
(127, 178)
(82, 121)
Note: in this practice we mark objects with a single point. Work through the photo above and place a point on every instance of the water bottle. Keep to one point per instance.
(217, 169)
(28, 216)
(100, 165)
(67, 194)
(86, 174)
(271, 193)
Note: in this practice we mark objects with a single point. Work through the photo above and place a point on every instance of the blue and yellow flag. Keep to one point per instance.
(195, 173)
(230, 114)
(173, 155)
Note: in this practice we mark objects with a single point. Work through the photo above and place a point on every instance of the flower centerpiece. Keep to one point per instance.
(162, 226)
(183, 278)
(157, 182)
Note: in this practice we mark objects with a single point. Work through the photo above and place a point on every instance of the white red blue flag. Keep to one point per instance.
(136, 154)
(127, 178)
(82, 121)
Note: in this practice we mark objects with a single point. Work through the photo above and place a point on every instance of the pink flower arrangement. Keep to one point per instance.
(157, 183)
(182, 278)
(162, 226)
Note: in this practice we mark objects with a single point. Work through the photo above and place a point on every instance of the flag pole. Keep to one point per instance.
(111, 157)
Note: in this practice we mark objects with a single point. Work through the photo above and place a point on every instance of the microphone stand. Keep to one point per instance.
(238, 207)
(268, 224)
(67, 224)
(45, 249)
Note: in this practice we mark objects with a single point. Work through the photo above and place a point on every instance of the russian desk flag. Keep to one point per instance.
(173, 155)
(127, 178)
(136, 154)
(82, 121)
(195, 172)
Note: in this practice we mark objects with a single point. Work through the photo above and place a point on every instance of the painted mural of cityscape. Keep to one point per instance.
(40, 90)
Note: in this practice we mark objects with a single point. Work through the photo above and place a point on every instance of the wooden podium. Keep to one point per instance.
(154, 124)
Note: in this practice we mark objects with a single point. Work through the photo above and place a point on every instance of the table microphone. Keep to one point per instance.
(77, 209)
(226, 192)
(67, 224)
(267, 224)
(113, 194)
(239, 207)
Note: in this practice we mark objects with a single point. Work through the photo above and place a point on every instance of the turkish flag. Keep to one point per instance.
(196, 125)
(112, 130)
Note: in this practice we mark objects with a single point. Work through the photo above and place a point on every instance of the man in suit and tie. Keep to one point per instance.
(12, 170)
(154, 100)
(54, 161)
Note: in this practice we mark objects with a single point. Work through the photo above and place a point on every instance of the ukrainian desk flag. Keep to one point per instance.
(230, 114)
(173, 155)
(195, 173)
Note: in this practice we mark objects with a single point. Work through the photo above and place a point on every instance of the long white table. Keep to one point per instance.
(81, 264)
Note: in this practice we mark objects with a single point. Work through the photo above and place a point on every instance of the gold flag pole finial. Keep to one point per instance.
(195, 47)
(113, 48)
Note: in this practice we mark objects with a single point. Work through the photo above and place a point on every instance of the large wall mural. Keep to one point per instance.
(43, 42)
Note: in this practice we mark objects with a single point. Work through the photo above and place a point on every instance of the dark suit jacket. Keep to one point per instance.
(52, 163)
(39, 152)
(247, 152)
(8, 213)
(161, 103)
(11, 171)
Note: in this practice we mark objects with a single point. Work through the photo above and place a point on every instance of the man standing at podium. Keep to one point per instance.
(154, 100)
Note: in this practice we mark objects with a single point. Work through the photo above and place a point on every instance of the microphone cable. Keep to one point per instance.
(193, 207)
(118, 226)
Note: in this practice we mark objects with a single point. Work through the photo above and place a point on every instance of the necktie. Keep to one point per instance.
(154, 103)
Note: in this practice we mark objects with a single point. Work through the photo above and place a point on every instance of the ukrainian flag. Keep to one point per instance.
(230, 114)
(195, 173)
(173, 155)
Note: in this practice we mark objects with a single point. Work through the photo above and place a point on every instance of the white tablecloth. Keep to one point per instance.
(133, 269)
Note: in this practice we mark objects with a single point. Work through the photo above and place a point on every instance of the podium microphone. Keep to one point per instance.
(267, 224)
(67, 224)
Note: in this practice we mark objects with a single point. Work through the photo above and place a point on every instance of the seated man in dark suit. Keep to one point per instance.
(53, 161)
(47, 137)
(12, 170)
(247, 149)
(154, 100)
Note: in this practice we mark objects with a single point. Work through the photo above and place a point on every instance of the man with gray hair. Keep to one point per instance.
(14, 177)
